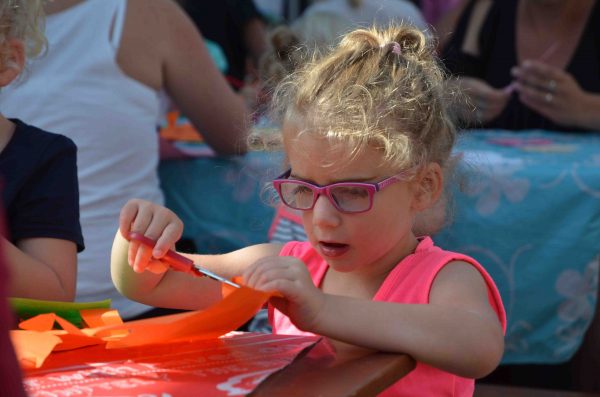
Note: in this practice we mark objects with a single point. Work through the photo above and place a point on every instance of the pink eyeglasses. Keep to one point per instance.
(346, 197)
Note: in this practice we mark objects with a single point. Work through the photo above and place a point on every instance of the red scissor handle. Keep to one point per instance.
(176, 261)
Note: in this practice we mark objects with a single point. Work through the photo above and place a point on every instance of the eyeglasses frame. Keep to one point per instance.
(318, 190)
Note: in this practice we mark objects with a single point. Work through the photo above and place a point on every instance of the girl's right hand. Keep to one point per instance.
(155, 222)
(301, 301)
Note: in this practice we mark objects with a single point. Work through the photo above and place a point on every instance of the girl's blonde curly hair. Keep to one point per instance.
(23, 20)
(381, 88)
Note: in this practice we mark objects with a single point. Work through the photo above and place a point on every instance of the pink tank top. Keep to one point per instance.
(409, 282)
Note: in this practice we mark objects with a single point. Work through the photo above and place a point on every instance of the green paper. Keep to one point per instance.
(70, 311)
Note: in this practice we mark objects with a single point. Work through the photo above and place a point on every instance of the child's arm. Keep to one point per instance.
(41, 268)
(162, 287)
(457, 332)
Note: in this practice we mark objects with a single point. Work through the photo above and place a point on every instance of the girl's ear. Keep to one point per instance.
(429, 187)
(12, 61)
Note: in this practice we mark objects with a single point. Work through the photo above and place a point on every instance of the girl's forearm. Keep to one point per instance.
(169, 289)
(461, 342)
(132, 285)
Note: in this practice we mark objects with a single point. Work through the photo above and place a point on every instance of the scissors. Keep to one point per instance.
(179, 262)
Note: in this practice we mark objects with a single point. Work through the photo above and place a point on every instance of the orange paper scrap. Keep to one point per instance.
(37, 338)
(177, 129)
(33, 347)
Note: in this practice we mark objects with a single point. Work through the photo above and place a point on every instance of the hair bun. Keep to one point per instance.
(412, 41)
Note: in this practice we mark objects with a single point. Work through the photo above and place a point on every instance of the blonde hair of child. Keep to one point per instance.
(381, 88)
(23, 20)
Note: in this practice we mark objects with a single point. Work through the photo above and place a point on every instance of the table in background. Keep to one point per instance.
(221, 200)
(530, 213)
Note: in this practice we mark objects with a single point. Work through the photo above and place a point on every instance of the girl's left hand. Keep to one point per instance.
(551, 92)
(302, 301)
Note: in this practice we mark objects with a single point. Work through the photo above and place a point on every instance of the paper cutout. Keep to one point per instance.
(106, 328)
(39, 346)
(100, 317)
(41, 323)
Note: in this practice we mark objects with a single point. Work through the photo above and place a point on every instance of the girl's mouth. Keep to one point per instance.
(333, 249)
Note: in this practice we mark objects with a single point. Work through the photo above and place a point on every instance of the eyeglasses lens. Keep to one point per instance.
(351, 198)
(296, 195)
(347, 197)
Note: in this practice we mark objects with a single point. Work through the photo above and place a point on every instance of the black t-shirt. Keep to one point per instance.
(498, 55)
(39, 185)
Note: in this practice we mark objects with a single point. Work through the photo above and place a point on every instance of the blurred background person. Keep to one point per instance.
(99, 85)
(528, 64)
(238, 28)
(434, 10)
(324, 22)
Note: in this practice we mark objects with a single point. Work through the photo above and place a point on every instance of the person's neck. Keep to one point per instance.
(549, 11)
(52, 7)
(550, 22)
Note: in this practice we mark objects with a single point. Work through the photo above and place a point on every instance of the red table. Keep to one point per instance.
(231, 365)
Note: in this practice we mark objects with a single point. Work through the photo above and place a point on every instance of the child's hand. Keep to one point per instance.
(301, 302)
(155, 222)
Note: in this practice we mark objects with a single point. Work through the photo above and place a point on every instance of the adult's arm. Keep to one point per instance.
(162, 48)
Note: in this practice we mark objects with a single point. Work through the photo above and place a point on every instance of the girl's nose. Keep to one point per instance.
(324, 213)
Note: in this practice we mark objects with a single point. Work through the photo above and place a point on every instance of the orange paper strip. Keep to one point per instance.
(235, 309)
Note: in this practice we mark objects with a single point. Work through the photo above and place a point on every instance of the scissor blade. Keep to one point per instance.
(214, 276)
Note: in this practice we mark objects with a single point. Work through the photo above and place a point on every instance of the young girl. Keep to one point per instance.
(39, 178)
(367, 137)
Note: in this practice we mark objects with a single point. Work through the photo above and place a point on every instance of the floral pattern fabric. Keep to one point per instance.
(529, 212)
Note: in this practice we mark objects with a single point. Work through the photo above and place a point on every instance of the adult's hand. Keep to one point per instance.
(486, 102)
(555, 94)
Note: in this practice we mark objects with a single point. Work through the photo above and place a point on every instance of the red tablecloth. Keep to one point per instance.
(231, 365)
